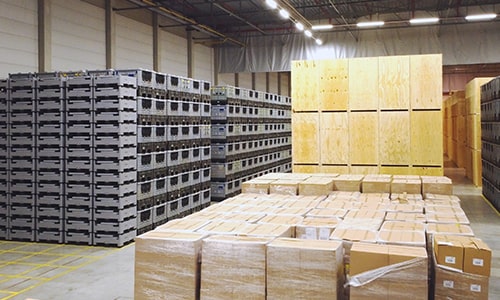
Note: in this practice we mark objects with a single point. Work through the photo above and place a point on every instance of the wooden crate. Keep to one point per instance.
(426, 138)
(363, 83)
(316, 186)
(461, 154)
(363, 137)
(334, 169)
(473, 94)
(376, 184)
(427, 171)
(477, 167)
(365, 170)
(395, 170)
(426, 73)
(394, 138)
(348, 182)
(333, 83)
(334, 138)
(296, 168)
(394, 82)
(305, 138)
(305, 91)
(468, 162)
(474, 131)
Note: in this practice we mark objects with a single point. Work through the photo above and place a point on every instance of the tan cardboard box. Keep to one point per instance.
(437, 185)
(451, 218)
(327, 212)
(376, 184)
(282, 219)
(448, 229)
(404, 238)
(408, 208)
(373, 224)
(314, 186)
(182, 225)
(316, 228)
(453, 285)
(476, 253)
(354, 235)
(256, 186)
(233, 266)
(267, 230)
(294, 211)
(285, 187)
(222, 227)
(403, 226)
(410, 186)
(348, 183)
(167, 265)
(301, 203)
(375, 197)
(432, 196)
(367, 257)
(405, 198)
(412, 278)
(206, 215)
(299, 269)
(345, 195)
(448, 252)
(242, 217)
(404, 216)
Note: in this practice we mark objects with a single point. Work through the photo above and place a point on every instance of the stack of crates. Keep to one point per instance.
(490, 136)
(4, 156)
(251, 136)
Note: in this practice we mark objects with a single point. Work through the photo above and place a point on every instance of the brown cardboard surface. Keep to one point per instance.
(376, 184)
(476, 253)
(285, 186)
(410, 186)
(405, 238)
(182, 225)
(327, 212)
(316, 228)
(453, 285)
(222, 227)
(403, 226)
(167, 265)
(403, 216)
(267, 230)
(366, 257)
(257, 186)
(316, 186)
(349, 183)
(449, 252)
(298, 269)
(282, 219)
(233, 266)
(354, 235)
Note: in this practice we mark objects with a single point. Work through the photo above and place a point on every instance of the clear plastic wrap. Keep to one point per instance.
(285, 187)
(316, 228)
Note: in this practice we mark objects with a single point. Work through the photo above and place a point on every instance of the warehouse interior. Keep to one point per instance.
(142, 139)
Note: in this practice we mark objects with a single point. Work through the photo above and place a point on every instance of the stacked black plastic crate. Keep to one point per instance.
(251, 136)
(4, 156)
(490, 132)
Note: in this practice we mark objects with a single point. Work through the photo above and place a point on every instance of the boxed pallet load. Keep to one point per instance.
(267, 230)
(410, 186)
(376, 184)
(387, 272)
(233, 267)
(167, 265)
(348, 183)
(182, 225)
(437, 185)
(316, 228)
(314, 186)
(256, 186)
(298, 269)
(285, 186)
(404, 238)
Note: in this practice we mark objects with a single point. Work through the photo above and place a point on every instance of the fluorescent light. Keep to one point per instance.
(299, 26)
(480, 17)
(370, 24)
(284, 13)
(272, 4)
(322, 27)
(308, 33)
(424, 21)
(319, 42)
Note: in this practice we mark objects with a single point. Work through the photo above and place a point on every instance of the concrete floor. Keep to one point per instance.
(109, 274)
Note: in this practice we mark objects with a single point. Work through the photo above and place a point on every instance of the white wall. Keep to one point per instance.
(203, 62)
(273, 82)
(78, 36)
(18, 33)
(173, 57)
(285, 84)
(260, 82)
(245, 80)
(133, 44)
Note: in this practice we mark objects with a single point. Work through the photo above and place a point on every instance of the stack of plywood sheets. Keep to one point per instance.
(368, 115)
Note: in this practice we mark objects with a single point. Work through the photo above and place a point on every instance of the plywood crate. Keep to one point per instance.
(298, 168)
(305, 80)
(426, 86)
(364, 169)
(473, 131)
(427, 171)
(305, 138)
(473, 94)
(363, 137)
(376, 184)
(477, 167)
(334, 133)
(395, 170)
(341, 169)
(406, 186)
(363, 83)
(394, 82)
(348, 182)
(394, 141)
(426, 143)
(333, 83)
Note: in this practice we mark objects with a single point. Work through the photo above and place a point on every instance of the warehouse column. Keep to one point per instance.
(279, 83)
(156, 43)
(236, 79)
(253, 81)
(267, 82)
(216, 66)
(44, 36)
(289, 74)
(110, 33)
(189, 38)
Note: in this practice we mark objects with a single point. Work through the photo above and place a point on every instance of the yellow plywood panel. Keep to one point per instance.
(305, 89)
(474, 131)
(473, 94)
(427, 171)
(306, 169)
(363, 83)
(305, 138)
(426, 73)
(476, 167)
(334, 136)
(334, 169)
(394, 82)
(394, 138)
(363, 138)
(365, 170)
(333, 84)
(426, 138)
(392, 170)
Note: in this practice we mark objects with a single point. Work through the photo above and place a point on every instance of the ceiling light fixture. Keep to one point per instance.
(299, 26)
(418, 21)
(272, 4)
(370, 24)
(319, 42)
(308, 33)
(284, 13)
(322, 27)
(481, 17)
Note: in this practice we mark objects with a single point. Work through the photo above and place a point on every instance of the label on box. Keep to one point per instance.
(324, 233)
(449, 259)
(475, 288)
(310, 233)
(478, 262)
(448, 284)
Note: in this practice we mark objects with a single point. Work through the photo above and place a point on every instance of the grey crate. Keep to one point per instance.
(112, 226)
(173, 208)
(159, 133)
(120, 141)
(50, 175)
(79, 102)
(185, 203)
(82, 150)
(145, 105)
(174, 182)
(84, 116)
(22, 151)
(73, 199)
(113, 153)
(51, 128)
(84, 165)
(205, 110)
(102, 91)
(174, 108)
(50, 223)
(205, 153)
(126, 165)
(84, 237)
(114, 177)
(116, 116)
(159, 186)
(78, 141)
(119, 190)
(145, 162)
(160, 213)
(205, 196)
(159, 107)
(145, 190)
(49, 235)
(116, 104)
(27, 117)
(22, 197)
(85, 127)
(78, 212)
(117, 202)
(222, 131)
(491, 152)
(24, 129)
(49, 211)
(159, 159)
(145, 218)
(145, 134)
(44, 198)
(21, 234)
(143, 77)
(78, 187)
(21, 210)
(113, 239)
(20, 221)
(78, 223)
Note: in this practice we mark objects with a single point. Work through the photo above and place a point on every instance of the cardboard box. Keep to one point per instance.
(282, 219)
(448, 229)
(256, 186)
(339, 204)
(477, 257)
(448, 252)
(374, 197)
(431, 196)
(301, 203)
(316, 186)
(449, 218)
(298, 269)
(233, 266)
(294, 211)
(182, 225)
(436, 185)
(349, 183)
(222, 227)
(267, 230)
(410, 186)
(404, 198)
(407, 208)
(403, 216)
(403, 238)
(206, 215)
(361, 223)
(327, 213)
(354, 235)
(242, 217)
(403, 226)
(167, 265)
(376, 184)
(316, 228)
(345, 195)
(285, 187)
(367, 257)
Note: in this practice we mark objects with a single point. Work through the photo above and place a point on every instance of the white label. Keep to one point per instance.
(311, 233)
(449, 259)
(324, 233)
(475, 288)
(478, 262)
(448, 284)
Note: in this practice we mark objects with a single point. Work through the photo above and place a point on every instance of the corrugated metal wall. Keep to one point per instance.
(273, 83)
(134, 44)
(203, 60)
(173, 54)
